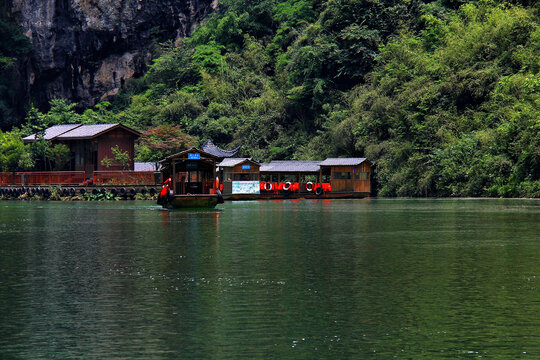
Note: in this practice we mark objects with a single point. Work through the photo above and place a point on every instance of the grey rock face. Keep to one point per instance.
(86, 49)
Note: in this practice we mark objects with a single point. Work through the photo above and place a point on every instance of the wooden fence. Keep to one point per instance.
(7, 178)
(77, 178)
(43, 178)
(124, 178)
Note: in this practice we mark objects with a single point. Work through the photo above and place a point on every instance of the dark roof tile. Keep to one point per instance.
(231, 162)
(211, 148)
(342, 161)
(86, 131)
(53, 132)
(293, 166)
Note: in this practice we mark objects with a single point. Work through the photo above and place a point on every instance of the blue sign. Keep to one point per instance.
(194, 156)
(246, 167)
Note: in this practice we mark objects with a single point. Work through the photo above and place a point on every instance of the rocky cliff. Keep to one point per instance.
(86, 49)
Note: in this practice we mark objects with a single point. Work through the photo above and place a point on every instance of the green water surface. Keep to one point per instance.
(306, 279)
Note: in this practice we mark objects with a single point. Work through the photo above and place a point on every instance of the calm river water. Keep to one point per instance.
(340, 279)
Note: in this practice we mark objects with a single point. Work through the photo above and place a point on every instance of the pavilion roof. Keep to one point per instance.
(211, 148)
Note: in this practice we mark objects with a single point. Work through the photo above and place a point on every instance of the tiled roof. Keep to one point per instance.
(342, 161)
(86, 131)
(188, 151)
(230, 162)
(210, 148)
(77, 131)
(53, 132)
(290, 166)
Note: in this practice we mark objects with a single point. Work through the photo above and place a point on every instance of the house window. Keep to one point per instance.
(245, 177)
(342, 175)
(269, 177)
(227, 175)
(361, 176)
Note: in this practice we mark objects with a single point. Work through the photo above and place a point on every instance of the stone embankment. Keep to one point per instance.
(105, 192)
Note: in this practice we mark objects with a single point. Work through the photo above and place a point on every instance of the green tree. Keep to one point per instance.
(174, 68)
(59, 155)
(121, 158)
(14, 154)
(61, 112)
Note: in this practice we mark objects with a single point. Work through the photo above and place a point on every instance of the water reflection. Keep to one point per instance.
(286, 279)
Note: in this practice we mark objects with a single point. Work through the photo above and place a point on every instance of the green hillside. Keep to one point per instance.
(443, 95)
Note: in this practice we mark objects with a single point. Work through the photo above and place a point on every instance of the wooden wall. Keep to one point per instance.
(353, 184)
(82, 152)
(125, 142)
(238, 168)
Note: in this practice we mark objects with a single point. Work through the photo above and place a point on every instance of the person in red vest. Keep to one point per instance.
(163, 195)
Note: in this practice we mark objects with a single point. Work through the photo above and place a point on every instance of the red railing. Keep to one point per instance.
(43, 178)
(77, 178)
(268, 186)
(124, 178)
(8, 178)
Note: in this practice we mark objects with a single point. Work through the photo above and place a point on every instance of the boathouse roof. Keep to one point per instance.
(78, 131)
(232, 162)
(342, 161)
(293, 166)
(211, 148)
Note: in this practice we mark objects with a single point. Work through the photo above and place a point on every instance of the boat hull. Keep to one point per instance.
(294, 195)
(202, 201)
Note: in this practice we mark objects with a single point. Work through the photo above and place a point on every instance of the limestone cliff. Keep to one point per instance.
(86, 49)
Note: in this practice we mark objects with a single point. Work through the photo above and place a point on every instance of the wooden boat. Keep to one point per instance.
(191, 181)
(192, 201)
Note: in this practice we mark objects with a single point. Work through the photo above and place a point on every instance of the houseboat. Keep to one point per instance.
(244, 178)
(191, 180)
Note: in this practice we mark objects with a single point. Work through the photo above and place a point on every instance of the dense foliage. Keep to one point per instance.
(443, 95)
(454, 110)
(14, 155)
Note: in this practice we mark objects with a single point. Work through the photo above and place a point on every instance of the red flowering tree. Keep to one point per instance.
(159, 142)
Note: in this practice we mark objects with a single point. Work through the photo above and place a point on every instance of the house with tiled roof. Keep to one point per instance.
(90, 144)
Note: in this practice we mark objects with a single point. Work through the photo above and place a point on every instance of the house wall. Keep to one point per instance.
(83, 154)
(254, 168)
(125, 142)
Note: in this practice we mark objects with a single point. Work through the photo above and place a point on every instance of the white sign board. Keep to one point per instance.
(245, 187)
